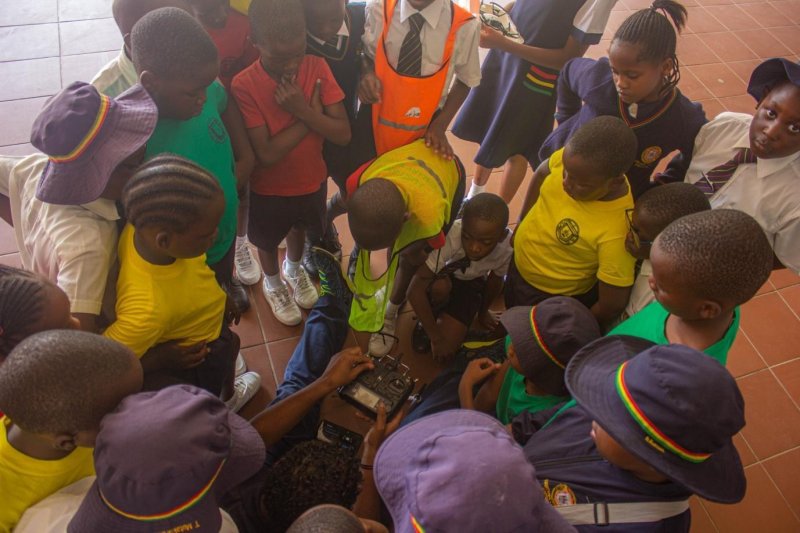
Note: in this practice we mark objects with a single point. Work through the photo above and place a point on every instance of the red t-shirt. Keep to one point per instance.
(303, 169)
(236, 52)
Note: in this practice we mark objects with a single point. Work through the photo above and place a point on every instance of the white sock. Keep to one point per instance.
(273, 282)
(240, 241)
(290, 267)
(391, 310)
(475, 189)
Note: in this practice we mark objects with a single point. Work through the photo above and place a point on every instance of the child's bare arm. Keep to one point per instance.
(610, 304)
(418, 298)
(539, 175)
(329, 121)
(487, 396)
(435, 136)
(242, 149)
(478, 371)
(270, 150)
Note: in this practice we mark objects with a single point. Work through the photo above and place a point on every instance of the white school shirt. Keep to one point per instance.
(73, 246)
(496, 262)
(641, 294)
(768, 190)
(343, 32)
(117, 76)
(465, 62)
(54, 513)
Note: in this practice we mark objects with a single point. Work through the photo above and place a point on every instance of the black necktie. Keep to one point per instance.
(409, 62)
(717, 177)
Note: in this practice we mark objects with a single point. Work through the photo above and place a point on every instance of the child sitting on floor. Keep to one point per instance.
(705, 266)
(541, 340)
(291, 105)
(55, 386)
(652, 212)
(29, 304)
(571, 238)
(460, 281)
(166, 291)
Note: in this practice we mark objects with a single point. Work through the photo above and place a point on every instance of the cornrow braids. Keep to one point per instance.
(651, 29)
(168, 191)
(21, 306)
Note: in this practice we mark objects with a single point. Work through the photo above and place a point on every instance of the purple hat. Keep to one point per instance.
(163, 460)
(546, 336)
(87, 135)
(461, 471)
(770, 72)
(673, 407)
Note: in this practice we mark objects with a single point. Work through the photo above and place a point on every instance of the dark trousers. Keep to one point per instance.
(520, 292)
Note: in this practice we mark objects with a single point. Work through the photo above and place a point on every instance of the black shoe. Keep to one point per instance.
(331, 279)
(331, 241)
(420, 341)
(307, 261)
(238, 294)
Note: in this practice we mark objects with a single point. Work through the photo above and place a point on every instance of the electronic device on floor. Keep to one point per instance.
(388, 382)
(339, 436)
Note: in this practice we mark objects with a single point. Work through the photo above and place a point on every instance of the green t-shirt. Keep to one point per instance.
(651, 324)
(514, 399)
(204, 140)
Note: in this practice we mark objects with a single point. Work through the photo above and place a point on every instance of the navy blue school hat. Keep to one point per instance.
(673, 407)
(770, 72)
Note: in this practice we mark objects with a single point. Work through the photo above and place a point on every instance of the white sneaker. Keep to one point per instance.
(244, 388)
(381, 343)
(282, 305)
(305, 293)
(241, 365)
(247, 268)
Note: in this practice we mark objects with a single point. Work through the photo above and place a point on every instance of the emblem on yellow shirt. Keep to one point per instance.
(568, 231)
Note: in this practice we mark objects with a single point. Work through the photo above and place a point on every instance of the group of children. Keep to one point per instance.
(213, 130)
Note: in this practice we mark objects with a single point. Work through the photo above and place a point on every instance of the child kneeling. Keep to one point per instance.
(170, 309)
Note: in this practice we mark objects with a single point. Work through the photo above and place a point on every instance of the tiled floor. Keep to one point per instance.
(46, 44)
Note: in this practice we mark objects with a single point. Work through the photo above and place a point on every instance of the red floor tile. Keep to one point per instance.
(744, 69)
(258, 361)
(727, 46)
(692, 87)
(762, 318)
(789, 376)
(693, 51)
(732, 17)
(792, 297)
(712, 107)
(773, 420)
(743, 358)
(784, 278)
(789, 9)
(789, 36)
(763, 508)
(249, 327)
(741, 103)
(701, 521)
(766, 15)
(745, 453)
(719, 79)
(279, 354)
(762, 43)
(785, 472)
(765, 288)
(701, 21)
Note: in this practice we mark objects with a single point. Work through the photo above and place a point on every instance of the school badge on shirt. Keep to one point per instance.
(568, 231)
(559, 495)
(651, 154)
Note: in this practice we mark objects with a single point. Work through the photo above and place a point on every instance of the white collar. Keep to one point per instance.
(766, 167)
(432, 14)
(343, 32)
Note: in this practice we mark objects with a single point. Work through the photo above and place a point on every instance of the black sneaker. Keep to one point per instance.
(420, 341)
(238, 294)
(307, 261)
(331, 279)
(331, 241)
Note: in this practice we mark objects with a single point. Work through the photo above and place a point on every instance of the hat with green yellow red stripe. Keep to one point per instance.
(546, 336)
(673, 407)
(163, 461)
(87, 135)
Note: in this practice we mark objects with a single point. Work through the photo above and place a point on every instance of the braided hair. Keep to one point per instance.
(168, 191)
(651, 30)
(22, 302)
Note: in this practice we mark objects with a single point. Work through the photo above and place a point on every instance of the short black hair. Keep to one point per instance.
(721, 254)
(169, 191)
(487, 206)
(310, 474)
(651, 30)
(21, 306)
(327, 519)
(607, 143)
(128, 12)
(667, 203)
(279, 20)
(376, 212)
(62, 380)
(171, 44)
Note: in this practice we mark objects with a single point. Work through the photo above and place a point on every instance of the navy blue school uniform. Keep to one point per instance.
(511, 111)
(572, 471)
(344, 62)
(586, 90)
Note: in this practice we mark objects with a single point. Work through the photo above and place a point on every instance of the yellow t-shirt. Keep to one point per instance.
(25, 481)
(160, 303)
(564, 246)
(241, 6)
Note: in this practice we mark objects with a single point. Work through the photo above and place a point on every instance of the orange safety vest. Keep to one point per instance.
(407, 103)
